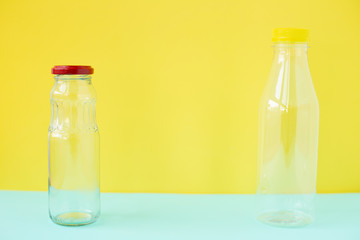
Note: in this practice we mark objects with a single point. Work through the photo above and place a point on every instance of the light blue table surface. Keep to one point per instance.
(24, 215)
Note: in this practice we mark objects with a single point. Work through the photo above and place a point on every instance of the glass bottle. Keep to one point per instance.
(74, 195)
(288, 135)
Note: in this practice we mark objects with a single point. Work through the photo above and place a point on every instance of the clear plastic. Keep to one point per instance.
(288, 140)
(74, 196)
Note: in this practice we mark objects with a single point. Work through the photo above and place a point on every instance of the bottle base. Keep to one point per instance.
(285, 218)
(74, 218)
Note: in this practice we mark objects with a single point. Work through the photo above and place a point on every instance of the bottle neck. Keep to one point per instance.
(73, 87)
(296, 52)
(79, 78)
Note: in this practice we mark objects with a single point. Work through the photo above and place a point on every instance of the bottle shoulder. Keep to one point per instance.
(289, 89)
(272, 102)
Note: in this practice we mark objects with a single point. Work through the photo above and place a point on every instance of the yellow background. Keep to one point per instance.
(178, 87)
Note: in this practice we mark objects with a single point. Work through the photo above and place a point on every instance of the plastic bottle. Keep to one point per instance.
(288, 135)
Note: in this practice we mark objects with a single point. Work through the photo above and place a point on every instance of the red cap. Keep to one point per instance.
(71, 70)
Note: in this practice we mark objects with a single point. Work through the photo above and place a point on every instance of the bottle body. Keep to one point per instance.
(74, 195)
(288, 140)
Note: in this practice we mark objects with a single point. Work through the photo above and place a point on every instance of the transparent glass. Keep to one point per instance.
(74, 196)
(288, 141)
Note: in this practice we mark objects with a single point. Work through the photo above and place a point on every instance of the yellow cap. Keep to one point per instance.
(290, 35)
